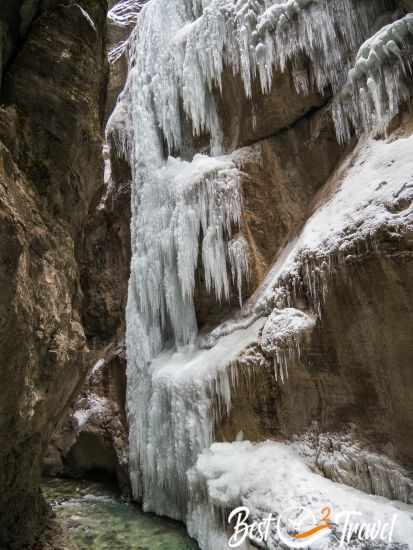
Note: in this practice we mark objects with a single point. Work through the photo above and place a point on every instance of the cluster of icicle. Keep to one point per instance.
(282, 336)
(186, 207)
(191, 41)
(377, 85)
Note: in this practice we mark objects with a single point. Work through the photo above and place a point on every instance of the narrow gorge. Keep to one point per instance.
(206, 263)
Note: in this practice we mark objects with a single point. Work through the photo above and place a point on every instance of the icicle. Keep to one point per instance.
(282, 335)
(125, 12)
(377, 86)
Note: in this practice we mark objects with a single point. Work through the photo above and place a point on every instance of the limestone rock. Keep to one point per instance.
(93, 440)
(50, 170)
(354, 367)
(280, 178)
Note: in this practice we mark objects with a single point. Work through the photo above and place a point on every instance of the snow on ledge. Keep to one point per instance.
(271, 477)
(374, 189)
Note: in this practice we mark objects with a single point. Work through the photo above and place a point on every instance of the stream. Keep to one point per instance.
(97, 518)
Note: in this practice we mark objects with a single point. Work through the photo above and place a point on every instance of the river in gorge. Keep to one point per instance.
(97, 518)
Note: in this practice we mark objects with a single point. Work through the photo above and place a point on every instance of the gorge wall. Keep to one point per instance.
(52, 118)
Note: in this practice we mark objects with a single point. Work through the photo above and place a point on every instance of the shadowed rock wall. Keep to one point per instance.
(51, 168)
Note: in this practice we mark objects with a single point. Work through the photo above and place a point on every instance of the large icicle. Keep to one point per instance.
(188, 43)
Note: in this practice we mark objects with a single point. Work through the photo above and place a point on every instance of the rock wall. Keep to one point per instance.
(51, 168)
(352, 374)
(92, 440)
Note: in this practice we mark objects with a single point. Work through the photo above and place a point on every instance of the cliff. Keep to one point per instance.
(51, 170)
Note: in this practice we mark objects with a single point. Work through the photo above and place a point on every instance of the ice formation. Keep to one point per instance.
(272, 478)
(122, 15)
(126, 12)
(187, 207)
(343, 458)
(173, 418)
(187, 45)
(377, 84)
(282, 335)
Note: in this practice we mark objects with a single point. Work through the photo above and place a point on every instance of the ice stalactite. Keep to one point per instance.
(377, 85)
(183, 213)
(282, 336)
(188, 44)
(126, 12)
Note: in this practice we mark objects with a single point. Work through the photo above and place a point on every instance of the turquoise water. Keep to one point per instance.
(97, 519)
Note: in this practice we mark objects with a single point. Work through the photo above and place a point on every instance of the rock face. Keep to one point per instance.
(51, 169)
(279, 178)
(93, 439)
(352, 374)
(329, 235)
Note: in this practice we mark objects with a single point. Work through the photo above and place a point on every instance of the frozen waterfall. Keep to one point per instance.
(187, 203)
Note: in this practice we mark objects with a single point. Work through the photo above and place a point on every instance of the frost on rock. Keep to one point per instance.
(272, 478)
(378, 84)
(373, 190)
(282, 335)
(90, 410)
(341, 457)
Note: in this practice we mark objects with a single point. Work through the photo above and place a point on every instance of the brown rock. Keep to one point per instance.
(247, 120)
(355, 366)
(93, 439)
(50, 170)
(280, 177)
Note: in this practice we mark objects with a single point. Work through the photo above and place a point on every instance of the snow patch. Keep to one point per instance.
(375, 189)
(271, 477)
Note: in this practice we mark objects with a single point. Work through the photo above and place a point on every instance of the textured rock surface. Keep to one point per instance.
(93, 439)
(248, 120)
(65, 253)
(354, 370)
(348, 375)
(280, 177)
(50, 170)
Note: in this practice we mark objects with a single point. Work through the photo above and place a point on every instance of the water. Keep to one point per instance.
(98, 519)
